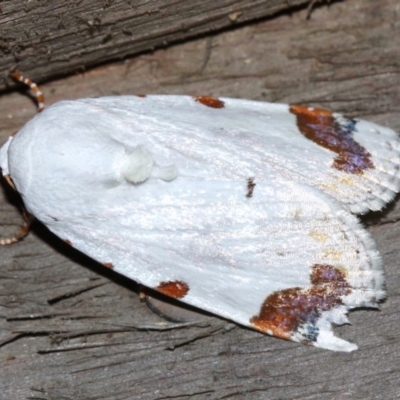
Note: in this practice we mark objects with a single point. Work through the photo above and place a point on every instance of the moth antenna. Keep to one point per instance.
(23, 231)
(35, 89)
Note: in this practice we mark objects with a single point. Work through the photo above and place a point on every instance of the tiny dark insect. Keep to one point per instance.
(250, 187)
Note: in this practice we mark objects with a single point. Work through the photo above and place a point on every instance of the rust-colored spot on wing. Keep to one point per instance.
(176, 289)
(324, 129)
(284, 311)
(109, 265)
(68, 242)
(209, 101)
(141, 95)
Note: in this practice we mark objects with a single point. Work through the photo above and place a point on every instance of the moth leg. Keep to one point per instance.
(21, 233)
(311, 5)
(169, 308)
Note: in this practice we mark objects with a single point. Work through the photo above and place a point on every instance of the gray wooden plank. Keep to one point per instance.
(54, 38)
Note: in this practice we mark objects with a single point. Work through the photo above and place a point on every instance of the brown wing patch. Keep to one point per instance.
(176, 289)
(284, 311)
(109, 265)
(209, 101)
(68, 242)
(324, 129)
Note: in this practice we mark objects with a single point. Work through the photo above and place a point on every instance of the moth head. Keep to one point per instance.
(4, 162)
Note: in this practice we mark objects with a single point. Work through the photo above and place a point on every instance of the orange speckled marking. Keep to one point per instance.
(141, 95)
(324, 129)
(176, 289)
(284, 311)
(109, 265)
(68, 242)
(209, 101)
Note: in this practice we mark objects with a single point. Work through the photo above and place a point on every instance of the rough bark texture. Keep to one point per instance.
(71, 329)
(57, 37)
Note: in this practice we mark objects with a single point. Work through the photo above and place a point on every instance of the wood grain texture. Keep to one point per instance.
(72, 329)
(58, 37)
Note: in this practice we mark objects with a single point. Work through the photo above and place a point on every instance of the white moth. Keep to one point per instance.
(238, 207)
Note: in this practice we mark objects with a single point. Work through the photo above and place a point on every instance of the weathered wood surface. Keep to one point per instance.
(70, 329)
(53, 38)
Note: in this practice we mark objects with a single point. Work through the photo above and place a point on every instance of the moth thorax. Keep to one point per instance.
(138, 165)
